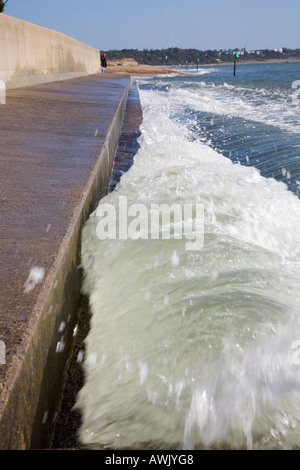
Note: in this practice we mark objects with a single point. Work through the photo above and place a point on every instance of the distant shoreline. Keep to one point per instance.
(247, 62)
(139, 69)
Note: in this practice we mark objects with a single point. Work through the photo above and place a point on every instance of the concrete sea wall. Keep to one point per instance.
(58, 140)
(31, 54)
(57, 148)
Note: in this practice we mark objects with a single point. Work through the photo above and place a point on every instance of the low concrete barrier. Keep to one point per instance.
(31, 54)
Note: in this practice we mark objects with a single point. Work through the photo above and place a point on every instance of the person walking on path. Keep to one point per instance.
(103, 62)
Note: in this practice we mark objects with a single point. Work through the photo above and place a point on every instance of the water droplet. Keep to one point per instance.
(80, 356)
(62, 326)
(35, 277)
(60, 346)
(45, 417)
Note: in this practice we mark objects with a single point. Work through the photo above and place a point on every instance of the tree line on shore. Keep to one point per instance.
(177, 56)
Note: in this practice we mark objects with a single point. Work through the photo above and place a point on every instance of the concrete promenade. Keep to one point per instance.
(57, 145)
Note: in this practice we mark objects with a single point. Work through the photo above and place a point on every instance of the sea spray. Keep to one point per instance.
(193, 349)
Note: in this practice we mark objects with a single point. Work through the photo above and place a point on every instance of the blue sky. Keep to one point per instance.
(159, 24)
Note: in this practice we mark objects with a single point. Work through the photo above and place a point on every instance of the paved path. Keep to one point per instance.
(68, 419)
(51, 137)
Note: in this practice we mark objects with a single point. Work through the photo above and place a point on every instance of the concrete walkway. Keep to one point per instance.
(57, 144)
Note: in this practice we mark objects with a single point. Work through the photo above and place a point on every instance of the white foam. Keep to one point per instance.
(197, 345)
(235, 101)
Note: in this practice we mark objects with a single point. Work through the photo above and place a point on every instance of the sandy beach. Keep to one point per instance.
(137, 69)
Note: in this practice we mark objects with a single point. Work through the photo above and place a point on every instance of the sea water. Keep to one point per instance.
(200, 348)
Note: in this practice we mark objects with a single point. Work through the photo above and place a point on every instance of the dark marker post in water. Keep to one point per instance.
(236, 56)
